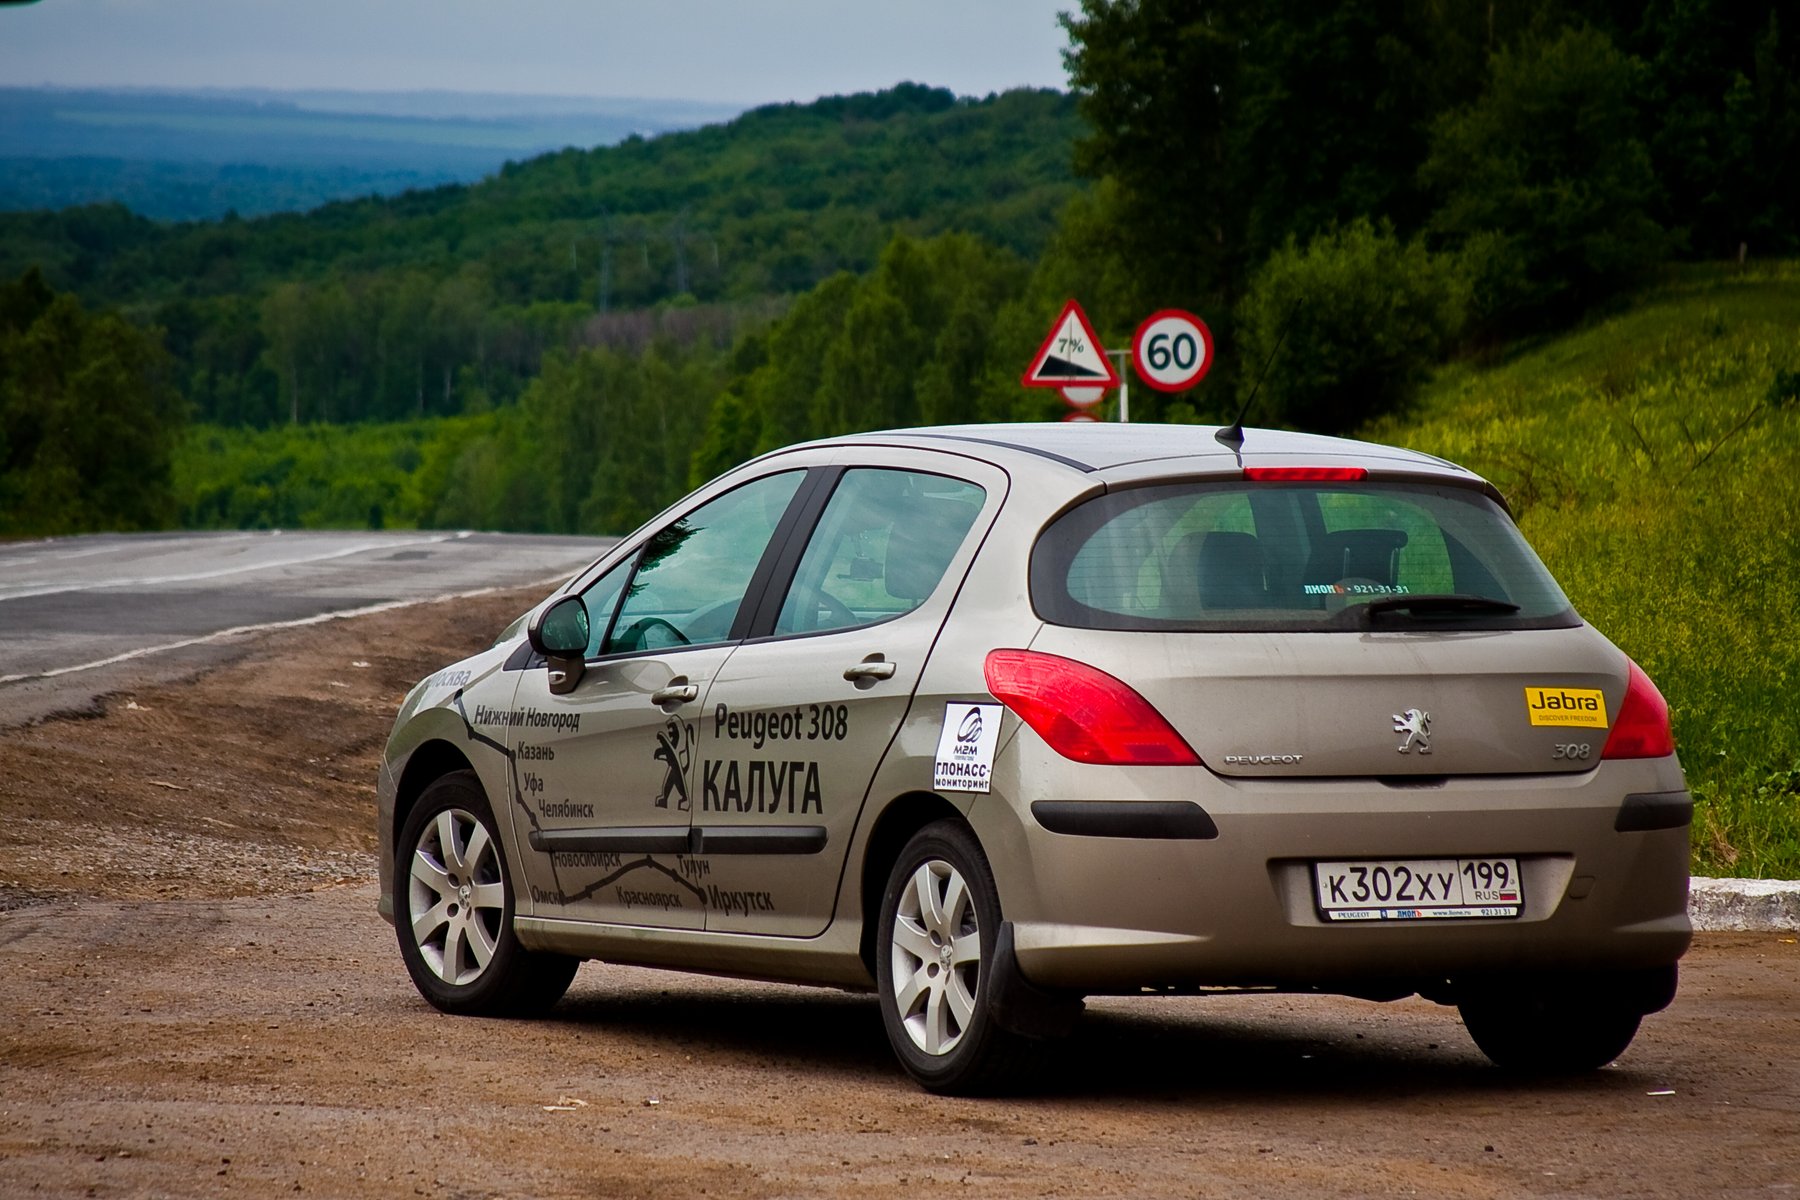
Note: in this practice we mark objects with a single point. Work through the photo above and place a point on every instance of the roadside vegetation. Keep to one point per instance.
(88, 418)
(1653, 459)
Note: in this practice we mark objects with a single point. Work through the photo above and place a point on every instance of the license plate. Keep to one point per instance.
(1418, 889)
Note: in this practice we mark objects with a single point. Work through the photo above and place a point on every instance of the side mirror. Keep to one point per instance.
(560, 634)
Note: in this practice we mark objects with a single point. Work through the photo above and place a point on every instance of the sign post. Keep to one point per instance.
(1124, 384)
(1073, 361)
(1171, 351)
(1071, 356)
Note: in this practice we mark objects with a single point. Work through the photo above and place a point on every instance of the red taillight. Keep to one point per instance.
(1083, 713)
(1305, 474)
(1642, 730)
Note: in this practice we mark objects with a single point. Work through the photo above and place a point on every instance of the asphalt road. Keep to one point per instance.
(86, 616)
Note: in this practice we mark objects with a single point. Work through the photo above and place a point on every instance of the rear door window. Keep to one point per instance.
(1249, 556)
(879, 549)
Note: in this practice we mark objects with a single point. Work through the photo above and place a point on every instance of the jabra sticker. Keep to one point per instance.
(1583, 707)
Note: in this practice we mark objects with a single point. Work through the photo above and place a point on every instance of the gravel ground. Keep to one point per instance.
(200, 998)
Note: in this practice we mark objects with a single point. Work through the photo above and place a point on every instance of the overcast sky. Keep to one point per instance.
(748, 51)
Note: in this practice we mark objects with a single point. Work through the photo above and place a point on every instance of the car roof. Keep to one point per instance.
(1123, 451)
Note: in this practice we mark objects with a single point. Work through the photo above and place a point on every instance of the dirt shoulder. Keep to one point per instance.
(200, 998)
(254, 778)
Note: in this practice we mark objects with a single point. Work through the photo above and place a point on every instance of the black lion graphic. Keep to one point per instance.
(674, 749)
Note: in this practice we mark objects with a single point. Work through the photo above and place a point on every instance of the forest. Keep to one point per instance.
(1351, 194)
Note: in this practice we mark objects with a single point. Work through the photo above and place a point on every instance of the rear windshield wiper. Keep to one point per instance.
(1449, 605)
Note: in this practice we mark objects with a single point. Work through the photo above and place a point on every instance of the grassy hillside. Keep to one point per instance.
(1653, 457)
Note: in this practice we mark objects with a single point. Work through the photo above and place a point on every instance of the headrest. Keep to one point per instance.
(1357, 554)
(1230, 571)
(922, 543)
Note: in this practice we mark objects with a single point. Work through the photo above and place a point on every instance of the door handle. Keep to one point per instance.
(676, 694)
(871, 669)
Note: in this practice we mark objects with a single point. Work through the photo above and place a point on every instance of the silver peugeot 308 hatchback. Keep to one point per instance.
(991, 718)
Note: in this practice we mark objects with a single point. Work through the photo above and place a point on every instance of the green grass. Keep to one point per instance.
(1653, 458)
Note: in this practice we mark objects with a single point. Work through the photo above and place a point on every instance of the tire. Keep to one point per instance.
(1555, 1031)
(935, 967)
(453, 910)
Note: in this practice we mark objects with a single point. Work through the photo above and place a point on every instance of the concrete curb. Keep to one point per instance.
(1743, 905)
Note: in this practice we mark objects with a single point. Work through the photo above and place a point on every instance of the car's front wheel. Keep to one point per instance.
(936, 966)
(453, 908)
(1554, 1031)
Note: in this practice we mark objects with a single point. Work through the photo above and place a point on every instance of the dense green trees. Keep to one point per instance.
(1722, 94)
(1346, 327)
(1344, 191)
(386, 308)
(87, 417)
(908, 343)
(1548, 150)
(598, 442)
(1548, 169)
(1233, 126)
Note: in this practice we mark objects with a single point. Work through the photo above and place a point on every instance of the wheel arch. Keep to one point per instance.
(903, 817)
(424, 766)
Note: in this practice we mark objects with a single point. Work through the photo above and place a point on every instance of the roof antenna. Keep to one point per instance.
(1233, 434)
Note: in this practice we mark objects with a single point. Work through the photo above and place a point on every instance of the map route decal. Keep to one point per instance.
(560, 894)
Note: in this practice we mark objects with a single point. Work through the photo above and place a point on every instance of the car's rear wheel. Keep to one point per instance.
(453, 909)
(935, 963)
(1563, 1031)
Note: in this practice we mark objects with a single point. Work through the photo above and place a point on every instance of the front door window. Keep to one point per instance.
(692, 574)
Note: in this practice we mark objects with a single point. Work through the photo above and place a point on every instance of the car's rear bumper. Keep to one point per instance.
(1095, 914)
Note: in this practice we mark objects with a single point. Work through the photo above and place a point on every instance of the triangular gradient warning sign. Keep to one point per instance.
(1071, 354)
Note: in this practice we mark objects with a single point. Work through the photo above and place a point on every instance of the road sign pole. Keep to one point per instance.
(1124, 384)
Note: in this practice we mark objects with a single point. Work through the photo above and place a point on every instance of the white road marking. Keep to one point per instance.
(60, 554)
(148, 580)
(316, 619)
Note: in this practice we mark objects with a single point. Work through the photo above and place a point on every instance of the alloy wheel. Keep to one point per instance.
(936, 957)
(456, 897)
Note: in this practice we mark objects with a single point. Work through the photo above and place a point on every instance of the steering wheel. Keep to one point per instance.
(831, 613)
(712, 623)
(638, 636)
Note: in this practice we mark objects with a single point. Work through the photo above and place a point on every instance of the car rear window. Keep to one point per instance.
(1265, 556)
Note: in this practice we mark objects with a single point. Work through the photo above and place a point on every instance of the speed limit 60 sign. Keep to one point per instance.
(1173, 350)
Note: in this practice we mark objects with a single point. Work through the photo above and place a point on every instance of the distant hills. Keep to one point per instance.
(768, 203)
(439, 298)
(178, 155)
